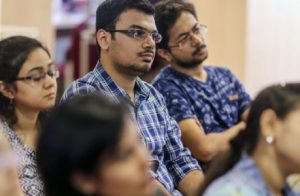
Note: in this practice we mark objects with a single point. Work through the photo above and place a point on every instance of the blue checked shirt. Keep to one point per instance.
(159, 131)
(218, 103)
(244, 179)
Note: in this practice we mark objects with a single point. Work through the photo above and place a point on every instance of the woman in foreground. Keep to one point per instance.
(266, 152)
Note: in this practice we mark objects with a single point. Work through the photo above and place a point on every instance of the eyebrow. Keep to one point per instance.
(41, 67)
(143, 28)
(184, 33)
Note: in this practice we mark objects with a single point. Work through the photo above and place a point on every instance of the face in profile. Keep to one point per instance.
(125, 172)
(187, 42)
(287, 142)
(36, 86)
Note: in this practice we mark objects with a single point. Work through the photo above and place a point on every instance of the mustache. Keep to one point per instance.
(198, 49)
(145, 52)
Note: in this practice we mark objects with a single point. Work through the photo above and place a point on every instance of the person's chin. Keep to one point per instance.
(142, 69)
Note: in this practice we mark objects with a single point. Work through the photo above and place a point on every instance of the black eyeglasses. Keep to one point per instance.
(198, 30)
(38, 75)
(140, 34)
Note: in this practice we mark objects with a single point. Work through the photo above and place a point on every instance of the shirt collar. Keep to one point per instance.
(250, 169)
(142, 91)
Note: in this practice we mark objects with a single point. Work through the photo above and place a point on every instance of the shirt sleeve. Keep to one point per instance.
(178, 104)
(178, 159)
(244, 99)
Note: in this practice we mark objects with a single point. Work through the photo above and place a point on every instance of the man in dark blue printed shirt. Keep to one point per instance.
(208, 102)
(126, 36)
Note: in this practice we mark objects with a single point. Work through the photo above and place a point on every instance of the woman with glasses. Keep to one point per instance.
(27, 89)
(263, 155)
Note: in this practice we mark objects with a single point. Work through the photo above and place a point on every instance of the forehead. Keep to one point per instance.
(184, 23)
(37, 58)
(134, 17)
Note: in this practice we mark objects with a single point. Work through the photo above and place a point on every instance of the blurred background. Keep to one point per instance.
(256, 39)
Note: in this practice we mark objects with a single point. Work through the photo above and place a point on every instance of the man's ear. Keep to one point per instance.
(164, 54)
(7, 90)
(103, 39)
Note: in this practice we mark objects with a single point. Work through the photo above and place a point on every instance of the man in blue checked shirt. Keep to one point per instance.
(126, 37)
(208, 102)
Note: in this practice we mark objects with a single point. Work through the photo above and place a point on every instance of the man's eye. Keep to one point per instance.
(139, 33)
(183, 39)
(197, 30)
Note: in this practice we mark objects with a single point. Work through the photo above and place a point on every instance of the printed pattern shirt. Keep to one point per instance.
(29, 177)
(218, 103)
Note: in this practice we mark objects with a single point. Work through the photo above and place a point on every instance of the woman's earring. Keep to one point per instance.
(269, 139)
(11, 104)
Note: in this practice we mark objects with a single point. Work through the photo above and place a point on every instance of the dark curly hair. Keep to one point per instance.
(14, 51)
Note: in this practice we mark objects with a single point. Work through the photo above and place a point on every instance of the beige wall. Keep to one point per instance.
(226, 32)
(35, 14)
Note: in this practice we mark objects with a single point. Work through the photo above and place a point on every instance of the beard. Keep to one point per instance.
(139, 70)
(134, 69)
(194, 61)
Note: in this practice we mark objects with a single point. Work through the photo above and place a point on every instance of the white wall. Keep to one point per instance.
(272, 43)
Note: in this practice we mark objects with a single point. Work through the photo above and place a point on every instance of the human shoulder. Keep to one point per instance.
(168, 82)
(81, 86)
(166, 75)
(229, 188)
(3, 138)
(217, 69)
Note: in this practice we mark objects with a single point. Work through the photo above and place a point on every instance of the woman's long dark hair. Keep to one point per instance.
(14, 52)
(282, 99)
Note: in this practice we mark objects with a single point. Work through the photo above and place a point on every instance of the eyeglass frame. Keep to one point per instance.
(42, 76)
(130, 32)
(203, 29)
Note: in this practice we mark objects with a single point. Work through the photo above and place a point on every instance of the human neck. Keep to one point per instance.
(27, 127)
(27, 120)
(196, 72)
(126, 82)
(265, 159)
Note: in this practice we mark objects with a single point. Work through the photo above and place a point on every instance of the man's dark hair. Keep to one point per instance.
(77, 135)
(109, 12)
(167, 13)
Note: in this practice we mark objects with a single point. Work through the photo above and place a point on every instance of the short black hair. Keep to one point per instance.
(167, 13)
(109, 11)
(75, 137)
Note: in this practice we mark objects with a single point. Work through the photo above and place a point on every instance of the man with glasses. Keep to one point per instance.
(208, 102)
(126, 37)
